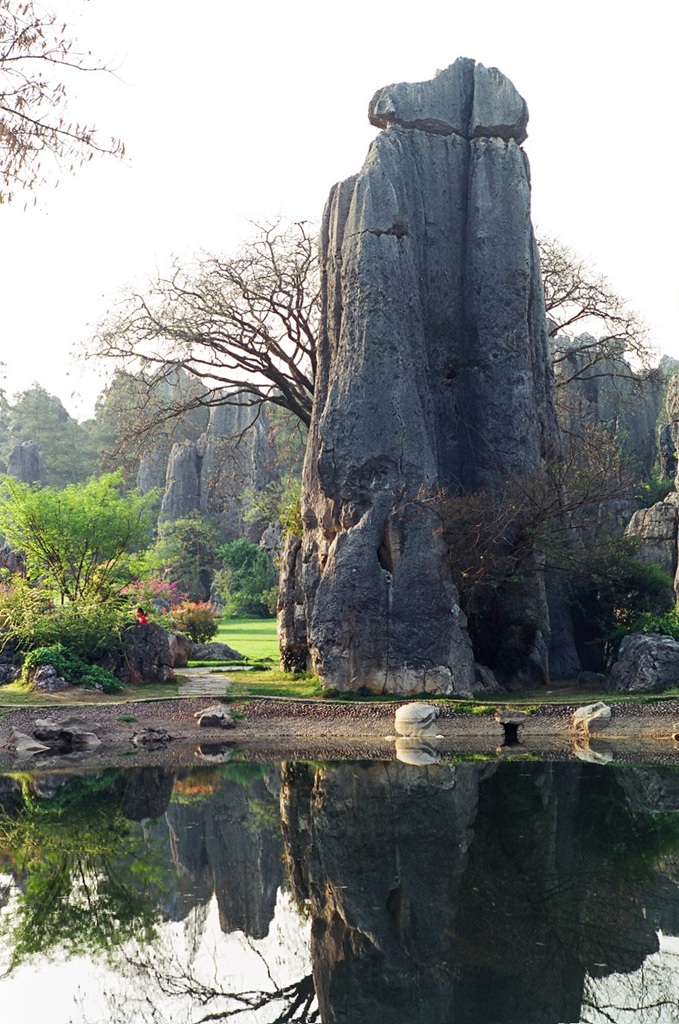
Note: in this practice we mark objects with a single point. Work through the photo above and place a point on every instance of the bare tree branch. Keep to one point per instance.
(33, 105)
(246, 324)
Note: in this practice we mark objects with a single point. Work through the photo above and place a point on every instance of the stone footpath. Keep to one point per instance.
(202, 682)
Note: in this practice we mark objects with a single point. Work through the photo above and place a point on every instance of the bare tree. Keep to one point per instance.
(245, 327)
(36, 59)
(614, 340)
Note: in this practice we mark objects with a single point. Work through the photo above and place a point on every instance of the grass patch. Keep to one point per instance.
(254, 638)
(273, 683)
(15, 695)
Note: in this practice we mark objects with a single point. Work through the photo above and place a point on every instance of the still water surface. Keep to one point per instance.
(474, 893)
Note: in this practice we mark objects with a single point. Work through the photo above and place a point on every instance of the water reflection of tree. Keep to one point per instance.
(89, 881)
(646, 996)
(156, 977)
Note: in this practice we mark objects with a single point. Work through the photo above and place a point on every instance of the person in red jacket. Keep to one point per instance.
(141, 617)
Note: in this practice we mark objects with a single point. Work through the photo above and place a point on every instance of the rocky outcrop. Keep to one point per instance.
(433, 375)
(152, 472)
(214, 651)
(669, 429)
(647, 663)
(147, 655)
(180, 648)
(293, 642)
(657, 530)
(610, 396)
(238, 455)
(182, 485)
(11, 560)
(26, 464)
(210, 475)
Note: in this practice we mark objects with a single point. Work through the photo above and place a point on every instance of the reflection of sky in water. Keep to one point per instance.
(647, 996)
(80, 991)
(463, 893)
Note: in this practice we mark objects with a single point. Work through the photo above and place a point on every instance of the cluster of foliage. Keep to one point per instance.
(280, 501)
(92, 881)
(247, 583)
(198, 619)
(30, 619)
(75, 638)
(78, 540)
(152, 592)
(611, 591)
(187, 552)
(70, 667)
(499, 542)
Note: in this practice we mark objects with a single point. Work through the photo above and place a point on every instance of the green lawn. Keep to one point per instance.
(254, 638)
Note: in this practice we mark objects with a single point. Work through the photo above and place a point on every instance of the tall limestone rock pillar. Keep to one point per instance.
(433, 373)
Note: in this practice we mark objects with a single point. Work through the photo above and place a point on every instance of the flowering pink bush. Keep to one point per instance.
(144, 592)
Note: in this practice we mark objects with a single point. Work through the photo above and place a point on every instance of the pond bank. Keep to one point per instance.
(284, 729)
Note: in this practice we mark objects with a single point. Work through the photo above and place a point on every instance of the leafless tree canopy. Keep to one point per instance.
(36, 59)
(612, 340)
(244, 328)
(246, 324)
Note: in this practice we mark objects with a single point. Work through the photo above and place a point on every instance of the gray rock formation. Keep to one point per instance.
(26, 464)
(214, 651)
(669, 430)
(433, 374)
(152, 470)
(210, 475)
(293, 642)
(238, 454)
(647, 662)
(182, 485)
(147, 655)
(657, 529)
(611, 396)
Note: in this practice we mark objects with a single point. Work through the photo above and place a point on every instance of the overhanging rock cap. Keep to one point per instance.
(465, 99)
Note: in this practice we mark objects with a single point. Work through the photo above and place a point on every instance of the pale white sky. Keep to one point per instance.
(232, 111)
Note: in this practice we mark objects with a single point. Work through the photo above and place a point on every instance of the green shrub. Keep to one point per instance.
(613, 591)
(70, 667)
(198, 619)
(653, 490)
(29, 619)
(246, 581)
(666, 625)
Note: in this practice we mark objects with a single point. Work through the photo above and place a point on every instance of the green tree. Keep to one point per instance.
(37, 63)
(186, 553)
(78, 540)
(66, 445)
(91, 880)
(247, 579)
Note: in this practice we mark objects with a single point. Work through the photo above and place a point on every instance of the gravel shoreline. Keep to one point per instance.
(298, 729)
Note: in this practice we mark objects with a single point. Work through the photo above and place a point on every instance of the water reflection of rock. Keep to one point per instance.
(470, 893)
(230, 846)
